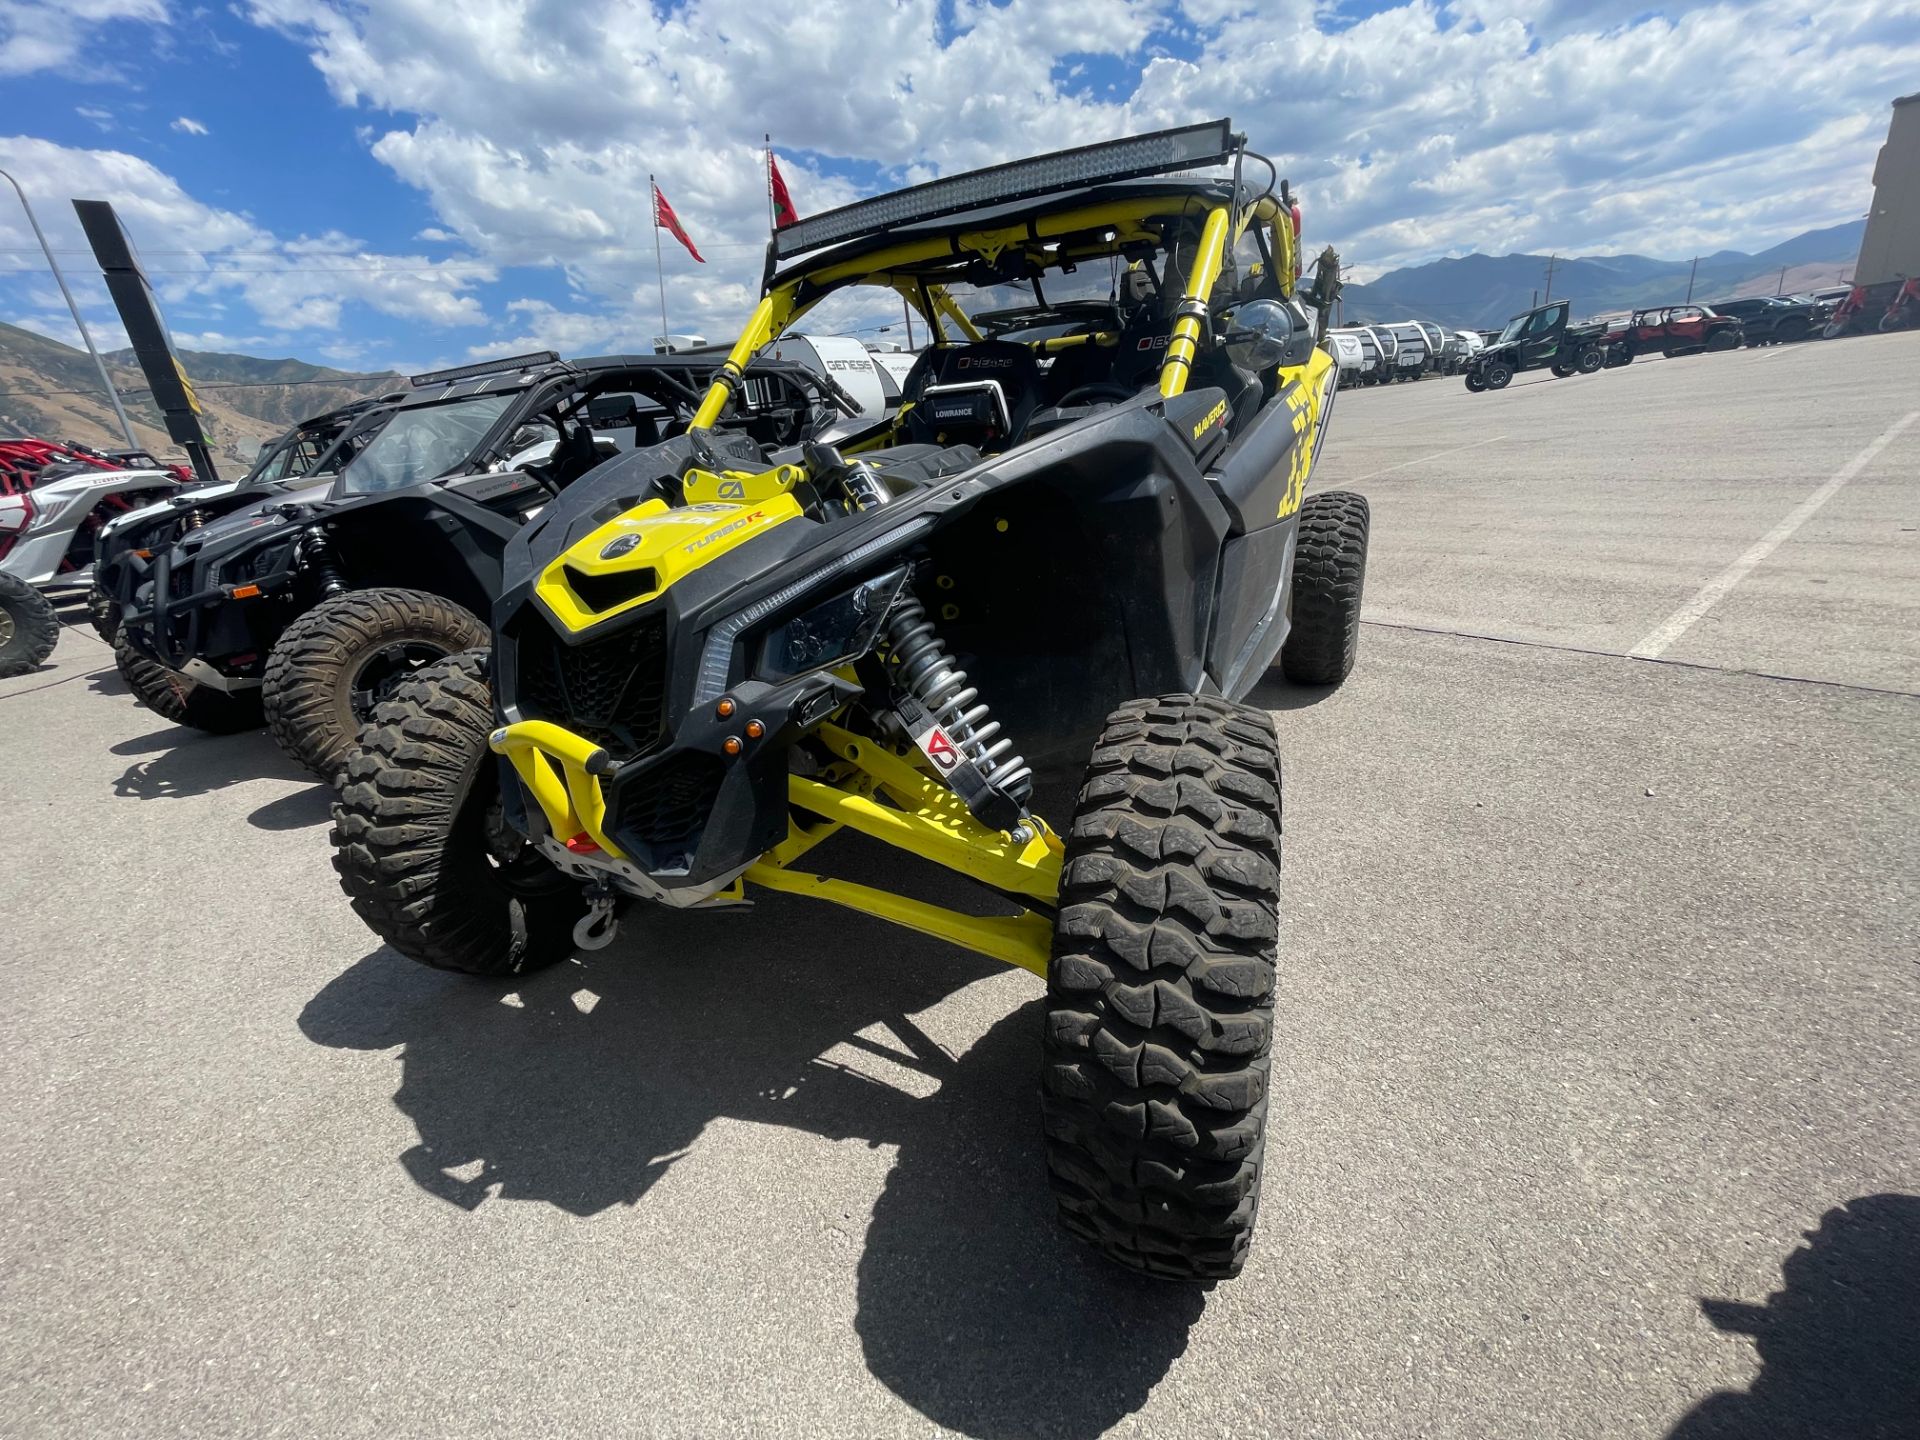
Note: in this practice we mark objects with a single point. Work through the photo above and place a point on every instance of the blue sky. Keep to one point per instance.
(408, 182)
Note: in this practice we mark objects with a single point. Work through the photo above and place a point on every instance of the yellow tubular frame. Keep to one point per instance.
(1185, 343)
(870, 789)
(926, 819)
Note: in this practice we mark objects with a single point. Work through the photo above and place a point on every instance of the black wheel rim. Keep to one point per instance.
(377, 676)
(6, 627)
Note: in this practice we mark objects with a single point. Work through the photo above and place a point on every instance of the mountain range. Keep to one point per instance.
(1479, 291)
(53, 391)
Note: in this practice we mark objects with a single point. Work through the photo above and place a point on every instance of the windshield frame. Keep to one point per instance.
(501, 403)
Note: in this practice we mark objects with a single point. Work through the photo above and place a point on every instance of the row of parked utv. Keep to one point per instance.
(1408, 350)
(568, 638)
(1546, 338)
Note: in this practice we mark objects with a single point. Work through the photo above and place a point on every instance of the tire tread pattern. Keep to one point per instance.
(305, 708)
(1329, 577)
(1160, 991)
(172, 696)
(36, 629)
(409, 832)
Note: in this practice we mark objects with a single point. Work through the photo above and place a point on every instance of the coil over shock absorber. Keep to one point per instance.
(951, 724)
(316, 555)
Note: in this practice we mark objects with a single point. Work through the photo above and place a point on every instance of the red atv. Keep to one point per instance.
(1672, 330)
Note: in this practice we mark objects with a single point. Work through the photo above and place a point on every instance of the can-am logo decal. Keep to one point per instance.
(1153, 342)
(732, 490)
(618, 546)
(983, 362)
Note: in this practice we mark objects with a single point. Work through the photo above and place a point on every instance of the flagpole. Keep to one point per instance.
(659, 265)
(773, 215)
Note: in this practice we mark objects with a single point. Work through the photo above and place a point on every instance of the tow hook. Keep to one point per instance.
(597, 928)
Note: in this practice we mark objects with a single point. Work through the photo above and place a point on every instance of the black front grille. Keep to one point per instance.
(613, 691)
(658, 816)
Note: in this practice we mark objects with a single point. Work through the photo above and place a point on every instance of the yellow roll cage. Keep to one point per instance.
(1120, 225)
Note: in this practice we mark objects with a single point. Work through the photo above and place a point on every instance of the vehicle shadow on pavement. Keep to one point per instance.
(1839, 1346)
(198, 764)
(1275, 693)
(581, 1086)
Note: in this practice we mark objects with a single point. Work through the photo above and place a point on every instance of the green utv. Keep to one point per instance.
(1085, 532)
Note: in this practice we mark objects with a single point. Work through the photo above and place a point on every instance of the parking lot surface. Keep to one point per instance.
(1597, 1105)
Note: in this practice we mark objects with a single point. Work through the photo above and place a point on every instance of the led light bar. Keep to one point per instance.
(1185, 148)
(485, 367)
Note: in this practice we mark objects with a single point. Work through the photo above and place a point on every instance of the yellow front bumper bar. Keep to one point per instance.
(562, 771)
(873, 790)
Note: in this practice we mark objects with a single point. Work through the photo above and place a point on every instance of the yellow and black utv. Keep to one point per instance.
(1085, 531)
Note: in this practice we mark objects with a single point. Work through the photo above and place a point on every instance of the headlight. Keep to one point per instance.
(840, 628)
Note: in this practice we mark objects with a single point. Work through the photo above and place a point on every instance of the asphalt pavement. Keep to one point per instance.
(1597, 1110)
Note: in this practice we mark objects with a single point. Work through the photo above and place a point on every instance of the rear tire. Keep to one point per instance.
(418, 841)
(172, 696)
(1160, 991)
(334, 664)
(28, 627)
(1329, 574)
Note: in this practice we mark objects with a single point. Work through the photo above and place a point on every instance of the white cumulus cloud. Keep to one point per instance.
(53, 34)
(199, 253)
(1427, 128)
(188, 126)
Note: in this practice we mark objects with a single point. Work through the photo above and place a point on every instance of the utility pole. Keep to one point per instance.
(1690, 274)
(126, 425)
(1551, 259)
(1781, 287)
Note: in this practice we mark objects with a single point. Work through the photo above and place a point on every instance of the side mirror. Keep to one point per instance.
(1261, 335)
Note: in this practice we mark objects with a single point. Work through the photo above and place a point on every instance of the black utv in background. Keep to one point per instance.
(307, 455)
(306, 609)
(1539, 339)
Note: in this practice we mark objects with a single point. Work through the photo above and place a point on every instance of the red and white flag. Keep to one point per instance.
(665, 219)
(783, 211)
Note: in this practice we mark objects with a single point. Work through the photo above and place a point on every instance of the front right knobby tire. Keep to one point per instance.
(1159, 1000)
(419, 844)
(172, 696)
(1329, 576)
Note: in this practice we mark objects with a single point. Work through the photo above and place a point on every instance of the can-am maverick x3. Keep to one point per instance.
(713, 655)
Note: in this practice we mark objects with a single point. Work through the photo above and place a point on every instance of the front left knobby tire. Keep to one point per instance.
(28, 627)
(103, 613)
(334, 664)
(1329, 575)
(1159, 1007)
(421, 847)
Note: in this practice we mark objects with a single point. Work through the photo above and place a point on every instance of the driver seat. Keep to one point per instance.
(1012, 367)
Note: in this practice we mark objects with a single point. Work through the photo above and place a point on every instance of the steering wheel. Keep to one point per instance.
(1099, 390)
